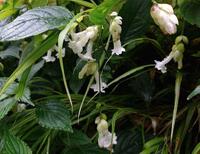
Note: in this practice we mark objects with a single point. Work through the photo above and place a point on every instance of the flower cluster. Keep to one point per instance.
(106, 139)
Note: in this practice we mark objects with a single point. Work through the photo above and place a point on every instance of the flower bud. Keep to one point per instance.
(181, 38)
(89, 69)
(163, 16)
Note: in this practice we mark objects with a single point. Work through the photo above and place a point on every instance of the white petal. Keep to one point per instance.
(118, 49)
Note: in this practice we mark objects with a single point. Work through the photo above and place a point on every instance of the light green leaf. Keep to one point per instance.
(13, 145)
(34, 22)
(195, 92)
(196, 149)
(54, 114)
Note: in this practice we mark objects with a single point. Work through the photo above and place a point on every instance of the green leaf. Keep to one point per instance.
(34, 22)
(54, 114)
(76, 138)
(85, 149)
(37, 3)
(11, 51)
(30, 59)
(98, 14)
(129, 142)
(136, 18)
(190, 11)
(13, 145)
(6, 105)
(196, 149)
(195, 92)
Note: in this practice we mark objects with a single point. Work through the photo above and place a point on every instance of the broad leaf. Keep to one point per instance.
(136, 18)
(6, 105)
(54, 114)
(34, 22)
(11, 51)
(129, 142)
(13, 145)
(190, 11)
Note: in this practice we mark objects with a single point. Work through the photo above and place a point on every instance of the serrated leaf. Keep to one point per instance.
(53, 114)
(136, 18)
(34, 22)
(6, 105)
(190, 11)
(14, 145)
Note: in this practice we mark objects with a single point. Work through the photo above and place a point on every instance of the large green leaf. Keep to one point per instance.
(190, 11)
(136, 18)
(54, 114)
(129, 142)
(34, 22)
(13, 145)
(6, 105)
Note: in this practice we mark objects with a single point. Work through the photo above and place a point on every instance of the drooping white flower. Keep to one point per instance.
(160, 65)
(105, 139)
(49, 57)
(115, 30)
(79, 41)
(99, 86)
(163, 15)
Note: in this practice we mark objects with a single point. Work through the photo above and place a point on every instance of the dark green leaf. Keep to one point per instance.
(13, 145)
(85, 149)
(136, 18)
(35, 21)
(54, 114)
(190, 11)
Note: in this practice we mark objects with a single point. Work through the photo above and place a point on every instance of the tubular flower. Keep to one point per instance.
(99, 86)
(49, 57)
(176, 54)
(115, 30)
(79, 40)
(106, 139)
(163, 16)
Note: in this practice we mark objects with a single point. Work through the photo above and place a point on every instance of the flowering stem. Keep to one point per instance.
(179, 77)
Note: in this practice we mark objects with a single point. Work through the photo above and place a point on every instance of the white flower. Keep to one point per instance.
(63, 51)
(163, 16)
(79, 41)
(160, 65)
(49, 57)
(21, 107)
(99, 86)
(105, 139)
(115, 30)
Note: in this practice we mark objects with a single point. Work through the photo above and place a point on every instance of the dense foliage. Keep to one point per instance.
(87, 76)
